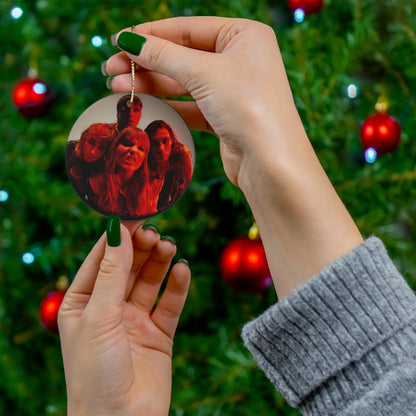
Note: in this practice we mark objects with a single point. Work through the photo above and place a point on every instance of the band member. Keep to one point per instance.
(123, 188)
(170, 164)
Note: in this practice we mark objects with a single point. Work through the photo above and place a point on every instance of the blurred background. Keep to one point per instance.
(347, 61)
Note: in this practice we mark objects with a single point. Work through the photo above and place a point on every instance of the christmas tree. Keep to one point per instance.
(341, 60)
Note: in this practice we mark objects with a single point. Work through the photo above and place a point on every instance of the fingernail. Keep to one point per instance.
(169, 238)
(103, 68)
(108, 82)
(131, 42)
(113, 231)
(184, 261)
(150, 227)
(114, 39)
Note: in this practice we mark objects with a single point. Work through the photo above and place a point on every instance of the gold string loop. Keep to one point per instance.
(133, 76)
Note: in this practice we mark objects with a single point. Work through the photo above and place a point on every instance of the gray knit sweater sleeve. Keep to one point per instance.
(345, 342)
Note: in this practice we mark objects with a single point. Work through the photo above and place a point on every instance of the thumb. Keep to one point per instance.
(114, 271)
(180, 63)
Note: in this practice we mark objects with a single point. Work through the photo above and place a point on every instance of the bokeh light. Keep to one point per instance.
(97, 41)
(16, 12)
(370, 155)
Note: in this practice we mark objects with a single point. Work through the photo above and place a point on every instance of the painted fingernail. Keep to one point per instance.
(114, 39)
(169, 238)
(150, 227)
(113, 231)
(131, 42)
(184, 261)
(104, 69)
(108, 82)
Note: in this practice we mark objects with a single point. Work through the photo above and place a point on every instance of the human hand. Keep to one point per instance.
(116, 346)
(234, 71)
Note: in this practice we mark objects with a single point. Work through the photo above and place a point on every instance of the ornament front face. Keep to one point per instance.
(131, 159)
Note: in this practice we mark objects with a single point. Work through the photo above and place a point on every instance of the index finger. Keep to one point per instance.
(197, 32)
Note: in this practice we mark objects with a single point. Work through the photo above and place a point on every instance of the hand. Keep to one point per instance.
(117, 352)
(231, 67)
(234, 71)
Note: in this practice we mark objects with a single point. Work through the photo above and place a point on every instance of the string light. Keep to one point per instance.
(16, 13)
(352, 91)
(299, 15)
(28, 258)
(370, 155)
(4, 195)
(97, 41)
(39, 88)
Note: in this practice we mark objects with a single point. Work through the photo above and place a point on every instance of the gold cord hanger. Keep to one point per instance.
(133, 76)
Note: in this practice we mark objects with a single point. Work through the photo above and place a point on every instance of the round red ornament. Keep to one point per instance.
(380, 132)
(244, 265)
(49, 309)
(32, 98)
(308, 6)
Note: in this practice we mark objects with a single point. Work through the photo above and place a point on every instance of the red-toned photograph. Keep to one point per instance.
(130, 156)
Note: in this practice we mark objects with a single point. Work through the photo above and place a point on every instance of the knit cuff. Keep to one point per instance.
(327, 325)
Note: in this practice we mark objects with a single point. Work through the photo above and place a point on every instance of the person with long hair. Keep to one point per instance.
(169, 164)
(85, 158)
(123, 188)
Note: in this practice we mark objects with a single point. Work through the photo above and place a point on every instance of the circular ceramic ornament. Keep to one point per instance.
(130, 155)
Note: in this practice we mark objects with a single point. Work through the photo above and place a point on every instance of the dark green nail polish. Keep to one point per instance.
(113, 231)
(131, 42)
(150, 227)
(108, 82)
(104, 69)
(168, 237)
(184, 261)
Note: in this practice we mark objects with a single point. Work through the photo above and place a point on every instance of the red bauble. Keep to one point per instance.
(308, 6)
(244, 266)
(381, 132)
(32, 98)
(49, 309)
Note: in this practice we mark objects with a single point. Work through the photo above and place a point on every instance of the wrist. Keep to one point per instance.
(273, 151)
(303, 224)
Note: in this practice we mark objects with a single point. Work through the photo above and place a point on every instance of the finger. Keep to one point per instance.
(117, 64)
(111, 283)
(84, 280)
(152, 273)
(160, 55)
(149, 83)
(169, 308)
(192, 115)
(133, 226)
(144, 240)
(199, 32)
(162, 86)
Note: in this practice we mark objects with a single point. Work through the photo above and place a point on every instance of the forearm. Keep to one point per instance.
(303, 223)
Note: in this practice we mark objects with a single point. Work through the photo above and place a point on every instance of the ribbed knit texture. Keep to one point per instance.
(345, 342)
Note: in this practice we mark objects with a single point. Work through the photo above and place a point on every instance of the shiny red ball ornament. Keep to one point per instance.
(32, 98)
(381, 132)
(49, 309)
(244, 266)
(308, 6)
